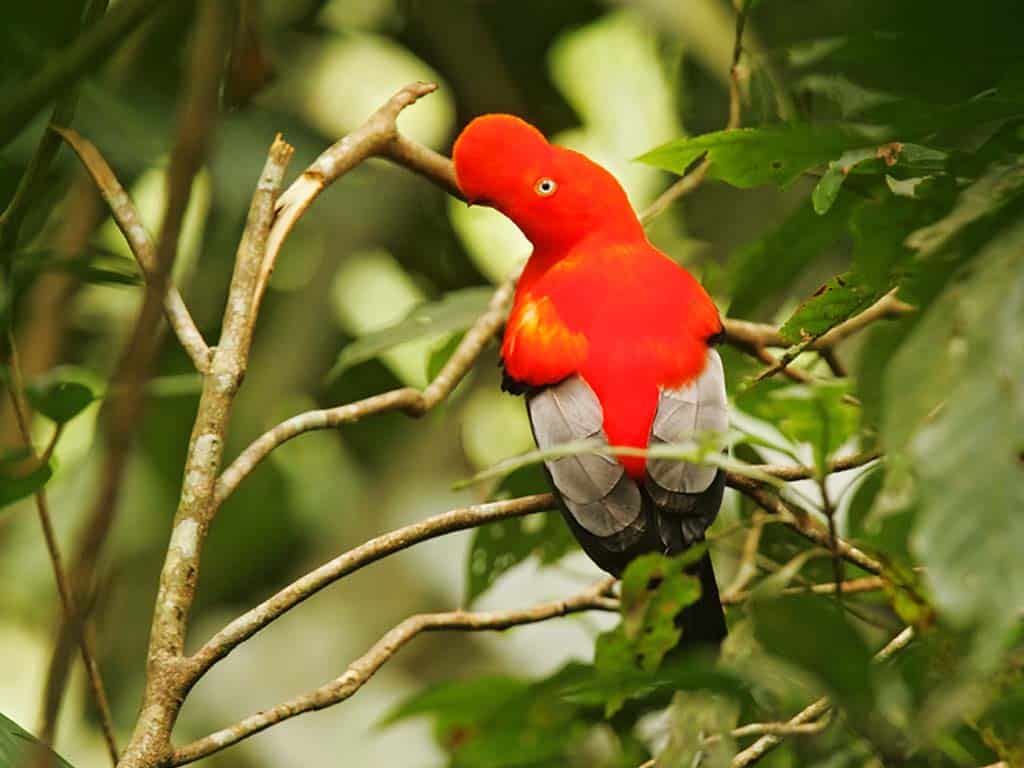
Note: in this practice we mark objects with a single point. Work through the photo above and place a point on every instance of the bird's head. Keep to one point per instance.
(554, 195)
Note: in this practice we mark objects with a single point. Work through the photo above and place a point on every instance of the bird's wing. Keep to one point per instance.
(596, 490)
(680, 489)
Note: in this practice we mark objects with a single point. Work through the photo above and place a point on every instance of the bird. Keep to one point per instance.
(610, 340)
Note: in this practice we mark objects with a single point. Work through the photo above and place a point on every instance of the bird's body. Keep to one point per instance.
(610, 339)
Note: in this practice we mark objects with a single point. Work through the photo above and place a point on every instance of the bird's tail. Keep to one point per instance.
(703, 622)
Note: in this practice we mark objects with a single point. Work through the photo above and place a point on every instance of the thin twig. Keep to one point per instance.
(801, 522)
(409, 400)
(363, 668)
(886, 307)
(16, 388)
(850, 587)
(127, 218)
(814, 711)
(696, 175)
(251, 622)
(748, 561)
(378, 136)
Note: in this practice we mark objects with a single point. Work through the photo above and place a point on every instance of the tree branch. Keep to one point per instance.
(886, 307)
(378, 136)
(127, 218)
(690, 181)
(363, 668)
(812, 712)
(801, 522)
(166, 684)
(251, 622)
(412, 401)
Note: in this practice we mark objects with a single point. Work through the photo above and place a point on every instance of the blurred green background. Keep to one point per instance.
(613, 79)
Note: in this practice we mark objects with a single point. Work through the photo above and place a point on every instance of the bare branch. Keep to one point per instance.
(690, 181)
(850, 587)
(251, 622)
(412, 401)
(801, 472)
(801, 522)
(814, 711)
(363, 668)
(165, 681)
(748, 561)
(377, 136)
(127, 218)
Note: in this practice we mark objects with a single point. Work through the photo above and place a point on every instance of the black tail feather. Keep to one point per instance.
(703, 622)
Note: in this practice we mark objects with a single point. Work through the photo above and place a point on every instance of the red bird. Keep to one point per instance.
(609, 339)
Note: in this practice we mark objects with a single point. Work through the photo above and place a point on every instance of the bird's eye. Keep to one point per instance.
(545, 187)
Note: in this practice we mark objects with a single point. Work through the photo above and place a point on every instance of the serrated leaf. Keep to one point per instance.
(500, 546)
(20, 748)
(455, 311)
(837, 300)
(750, 157)
(58, 399)
(21, 475)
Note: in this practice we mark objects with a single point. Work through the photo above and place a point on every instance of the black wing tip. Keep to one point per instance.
(513, 385)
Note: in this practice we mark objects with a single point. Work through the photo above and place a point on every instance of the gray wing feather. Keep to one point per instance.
(683, 413)
(596, 489)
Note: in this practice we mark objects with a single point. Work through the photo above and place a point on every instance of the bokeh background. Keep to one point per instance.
(611, 78)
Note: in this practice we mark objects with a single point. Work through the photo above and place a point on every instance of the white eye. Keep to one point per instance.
(545, 187)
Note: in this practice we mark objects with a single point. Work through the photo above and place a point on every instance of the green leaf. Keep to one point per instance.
(955, 409)
(95, 266)
(837, 300)
(984, 197)
(771, 264)
(815, 414)
(20, 748)
(57, 398)
(879, 229)
(21, 475)
(499, 721)
(827, 189)
(455, 311)
(459, 702)
(833, 651)
(750, 157)
(655, 589)
(500, 546)
(908, 158)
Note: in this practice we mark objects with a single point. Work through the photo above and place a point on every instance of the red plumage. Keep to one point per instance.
(596, 298)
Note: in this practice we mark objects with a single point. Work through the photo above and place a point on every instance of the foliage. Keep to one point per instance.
(881, 151)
